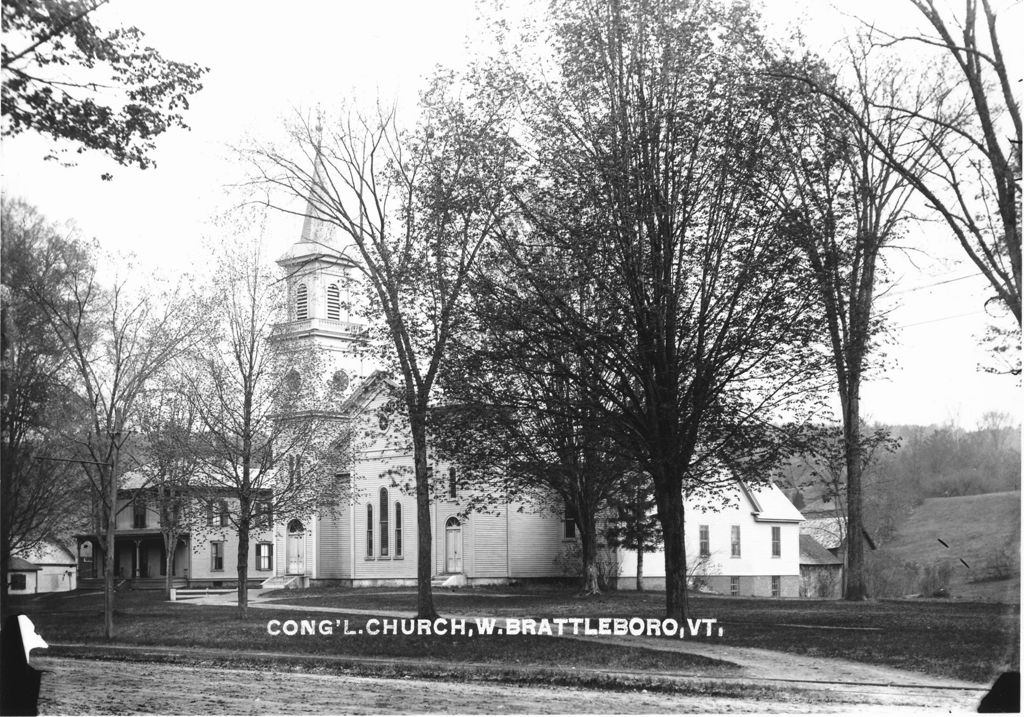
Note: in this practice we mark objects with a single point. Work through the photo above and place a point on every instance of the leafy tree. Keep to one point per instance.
(66, 78)
(41, 499)
(519, 428)
(636, 524)
(264, 433)
(652, 147)
(415, 208)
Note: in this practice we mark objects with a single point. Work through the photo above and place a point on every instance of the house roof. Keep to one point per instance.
(826, 531)
(364, 392)
(813, 553)
(51, 552)
(771, 504)
(22, 565)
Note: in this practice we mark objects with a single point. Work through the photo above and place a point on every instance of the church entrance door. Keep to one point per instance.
(453, 546)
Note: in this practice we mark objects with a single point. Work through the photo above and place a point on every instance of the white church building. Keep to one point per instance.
(750, 547)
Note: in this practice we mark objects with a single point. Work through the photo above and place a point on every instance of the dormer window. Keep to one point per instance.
(333, 302)
(301, 303)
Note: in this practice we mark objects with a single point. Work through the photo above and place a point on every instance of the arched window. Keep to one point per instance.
(333, 302)
(383, 521)
(369, 530)
(295, 526)
(301, 303)
(398, 530)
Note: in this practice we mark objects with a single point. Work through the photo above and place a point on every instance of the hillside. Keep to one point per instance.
(981, 530)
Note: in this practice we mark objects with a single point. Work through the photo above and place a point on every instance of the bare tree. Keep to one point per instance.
(171, 466)
(118, 338)
(265, 430)
(415, 207)
(845, 203)
(973, 184)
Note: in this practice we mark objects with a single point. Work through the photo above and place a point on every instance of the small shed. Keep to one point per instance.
(22, 576)
(821, 572)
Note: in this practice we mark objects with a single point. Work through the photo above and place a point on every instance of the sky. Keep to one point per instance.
(270, 60)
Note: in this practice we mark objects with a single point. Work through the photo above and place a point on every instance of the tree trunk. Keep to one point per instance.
(856, 589)
(243, 560)
(108, 556)
(640, 567)
(424, 548)
(670, 512)
(170, 543)
(588, 540)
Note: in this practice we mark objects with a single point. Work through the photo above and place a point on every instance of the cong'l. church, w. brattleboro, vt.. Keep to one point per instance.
(752, 546)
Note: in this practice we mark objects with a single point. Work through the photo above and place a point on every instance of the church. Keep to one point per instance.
(751, 547)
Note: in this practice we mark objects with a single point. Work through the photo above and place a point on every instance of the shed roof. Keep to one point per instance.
(813, 553)
(22, 565)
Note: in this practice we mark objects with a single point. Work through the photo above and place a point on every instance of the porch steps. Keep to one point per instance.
(448, 580)
(282, 582)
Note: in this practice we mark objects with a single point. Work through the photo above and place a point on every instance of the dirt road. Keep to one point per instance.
(73, 686)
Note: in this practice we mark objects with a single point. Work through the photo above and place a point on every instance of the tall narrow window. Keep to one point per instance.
(734, 585)
(705, 542)
(216, 556)
(333, 302)
(383, 522)
(139, 511)
(369, 530)
(735, 541)
(398, 530)
(301, 302)
(776, 541)
(776, 586)
(452, 484)
(569, 525)
(264, 556)
(225, 516)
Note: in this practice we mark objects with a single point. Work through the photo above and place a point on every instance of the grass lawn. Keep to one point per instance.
(970, 641)
(142, 618)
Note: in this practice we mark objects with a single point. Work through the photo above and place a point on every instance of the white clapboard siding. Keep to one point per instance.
(535, 542)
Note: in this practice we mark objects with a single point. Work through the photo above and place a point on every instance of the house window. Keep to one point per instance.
(776, 542)
(264, 556)
(735, 541)
(398, 530)
(264, 515)
(569, 524)
(369, 530)
(705, 542)
(301, 303)
(383, 522)
(139, 512)
(216, 555)
(19, 581)
(333, 302)
(452, 486)
(225, 516)
(734, 585)
(211, 513)
(776, 586)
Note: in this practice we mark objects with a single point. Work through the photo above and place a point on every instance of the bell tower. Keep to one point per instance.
(322, 296)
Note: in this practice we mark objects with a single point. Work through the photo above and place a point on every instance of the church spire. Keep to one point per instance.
(315, 229)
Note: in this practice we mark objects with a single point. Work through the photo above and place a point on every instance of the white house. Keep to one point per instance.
(50, 567)
(751, 546)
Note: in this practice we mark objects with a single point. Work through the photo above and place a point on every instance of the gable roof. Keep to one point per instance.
(770, 504)
(364, 393)
(813, 553)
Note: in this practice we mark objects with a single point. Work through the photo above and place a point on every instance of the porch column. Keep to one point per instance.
(135, 571)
